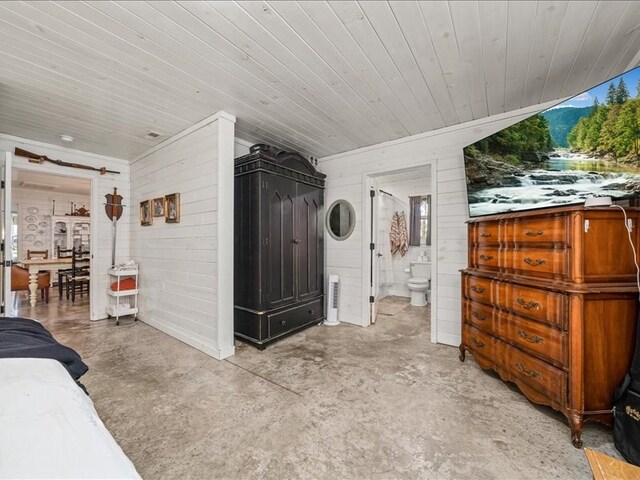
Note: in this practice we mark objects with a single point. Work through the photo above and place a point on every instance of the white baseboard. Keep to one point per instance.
(196, 341)
(449, 339)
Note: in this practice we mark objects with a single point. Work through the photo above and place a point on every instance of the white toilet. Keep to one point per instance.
(419, 282)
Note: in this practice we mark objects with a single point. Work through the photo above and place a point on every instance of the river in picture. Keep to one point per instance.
(568, 178)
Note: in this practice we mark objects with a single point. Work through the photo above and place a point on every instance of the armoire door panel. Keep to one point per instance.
(279, 244)
(310, 248)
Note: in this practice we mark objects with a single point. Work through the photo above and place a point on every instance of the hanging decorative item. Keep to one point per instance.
(40, 159)
(78, 212)
(114, 208)
(172, 208)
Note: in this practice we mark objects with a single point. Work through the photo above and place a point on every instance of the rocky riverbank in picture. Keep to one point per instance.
(558, 178)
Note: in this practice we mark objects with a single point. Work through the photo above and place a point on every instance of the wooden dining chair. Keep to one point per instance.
(37, 254)
(79, 276)
(63, 274)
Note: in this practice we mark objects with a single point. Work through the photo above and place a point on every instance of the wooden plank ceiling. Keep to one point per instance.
(317, 77)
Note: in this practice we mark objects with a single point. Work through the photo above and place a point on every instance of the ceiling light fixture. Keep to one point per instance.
(67, 138)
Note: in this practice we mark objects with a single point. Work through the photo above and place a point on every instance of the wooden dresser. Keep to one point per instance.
(549, 301)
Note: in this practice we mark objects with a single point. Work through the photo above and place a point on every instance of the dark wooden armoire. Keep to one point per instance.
(278, 245)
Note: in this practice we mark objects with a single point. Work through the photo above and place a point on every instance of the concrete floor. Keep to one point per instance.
(338, 402)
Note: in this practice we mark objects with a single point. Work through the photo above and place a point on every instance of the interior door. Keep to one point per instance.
(6, 307)
(374, 283)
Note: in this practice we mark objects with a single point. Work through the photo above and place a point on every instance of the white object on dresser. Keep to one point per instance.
(122, 302)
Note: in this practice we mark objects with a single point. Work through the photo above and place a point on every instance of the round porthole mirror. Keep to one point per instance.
(341, 219)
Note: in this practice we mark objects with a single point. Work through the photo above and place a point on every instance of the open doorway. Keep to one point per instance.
(401, 257)
(50, 234)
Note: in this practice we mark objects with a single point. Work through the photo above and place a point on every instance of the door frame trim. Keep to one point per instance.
(367, 184)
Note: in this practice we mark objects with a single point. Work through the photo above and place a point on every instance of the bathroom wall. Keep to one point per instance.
(392, 276)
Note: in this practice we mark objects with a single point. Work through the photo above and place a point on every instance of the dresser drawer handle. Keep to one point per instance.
(529, 373)
(532, 233)
(479, 316)
(530, 305)
(485, 234)
(534, 263)
(283, 322)
(530, 339)
(486, 258)
(477, 289)
(477, 342)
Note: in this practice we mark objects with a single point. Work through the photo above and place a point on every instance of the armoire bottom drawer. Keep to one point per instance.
(298, 316)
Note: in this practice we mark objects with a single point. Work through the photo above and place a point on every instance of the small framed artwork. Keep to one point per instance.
(146, 217)
(158, 207)
(172, 208)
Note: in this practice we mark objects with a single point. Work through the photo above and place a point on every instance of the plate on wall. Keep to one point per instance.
(32, 227)
(33, 210)
(29, 238)
(30, 219)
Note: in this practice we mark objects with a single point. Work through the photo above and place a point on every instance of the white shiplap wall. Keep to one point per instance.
(186, 283)
(348, 175)
(101, 229)
(25, 198)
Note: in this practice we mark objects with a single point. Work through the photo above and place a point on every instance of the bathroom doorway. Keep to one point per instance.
(400, 247)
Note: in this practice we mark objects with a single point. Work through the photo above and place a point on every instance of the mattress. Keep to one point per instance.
(49, 427)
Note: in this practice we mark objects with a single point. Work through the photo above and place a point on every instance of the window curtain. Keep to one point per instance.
(414, 221)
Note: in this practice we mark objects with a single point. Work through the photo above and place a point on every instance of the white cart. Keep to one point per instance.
(122, 302)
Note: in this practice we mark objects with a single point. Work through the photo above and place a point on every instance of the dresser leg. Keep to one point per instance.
(576, 423)
(463, 352)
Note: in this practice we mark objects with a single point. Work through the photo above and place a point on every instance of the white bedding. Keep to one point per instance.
(49, 427)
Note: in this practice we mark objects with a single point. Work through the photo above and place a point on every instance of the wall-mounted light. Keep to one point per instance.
(67, 138)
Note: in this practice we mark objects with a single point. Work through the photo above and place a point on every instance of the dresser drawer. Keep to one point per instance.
(541, 305)
(536, 374)
(479, 315)
(485, 233)
(542, 340)
(538, 230)
(294, 318)
(538, 262)
(477, 288)
(479, 342)
(486, 258)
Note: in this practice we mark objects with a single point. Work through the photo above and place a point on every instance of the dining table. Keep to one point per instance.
(47, 264)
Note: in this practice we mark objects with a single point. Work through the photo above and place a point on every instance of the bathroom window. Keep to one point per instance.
(425, 220)
(420, 214)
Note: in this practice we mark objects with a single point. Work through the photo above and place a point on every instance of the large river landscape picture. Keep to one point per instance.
(587, 146)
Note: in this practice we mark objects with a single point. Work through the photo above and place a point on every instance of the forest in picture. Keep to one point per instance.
(586, 146)
(611, 128)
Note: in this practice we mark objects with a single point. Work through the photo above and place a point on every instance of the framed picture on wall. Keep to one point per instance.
(146, 217)
(158, 207)
(172, 208)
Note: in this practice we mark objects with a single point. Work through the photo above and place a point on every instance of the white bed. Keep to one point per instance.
(49, 427)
